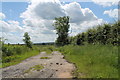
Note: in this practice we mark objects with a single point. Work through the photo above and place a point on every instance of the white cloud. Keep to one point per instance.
(12, 38)
(77, 14)
(39, 17)
(113, 13)
(11, 30)
(10, 26)
(106, 3)
(48, 11)
(41, 14)
(2, 16)
(39, 34)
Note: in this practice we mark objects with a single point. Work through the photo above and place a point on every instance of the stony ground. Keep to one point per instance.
(55, 67)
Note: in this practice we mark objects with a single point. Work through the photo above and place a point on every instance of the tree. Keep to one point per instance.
(106, 34)
(116, 33)
(91, 36)
(62, 27)
(80, 39)
(27, 40)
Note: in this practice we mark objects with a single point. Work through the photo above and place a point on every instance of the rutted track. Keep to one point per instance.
(55, 67)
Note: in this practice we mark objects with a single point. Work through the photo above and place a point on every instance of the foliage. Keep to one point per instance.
(27, 40)
(102, 34)
(62, 27)
(80, 39)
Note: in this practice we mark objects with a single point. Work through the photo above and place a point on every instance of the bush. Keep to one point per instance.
(8, 59)
(7, 51)
(103, 34)
(18, 50)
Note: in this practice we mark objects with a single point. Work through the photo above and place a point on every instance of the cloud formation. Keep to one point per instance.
(39, 16)
(113, 13)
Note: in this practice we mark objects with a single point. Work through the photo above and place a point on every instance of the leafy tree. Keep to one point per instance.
(80, 39)
(99, 32)
(102, 34)
(27, 40)
(116, 33)
(62, 27)
(106, 33)
(91, 36)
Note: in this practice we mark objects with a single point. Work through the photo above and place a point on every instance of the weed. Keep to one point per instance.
(44, 57)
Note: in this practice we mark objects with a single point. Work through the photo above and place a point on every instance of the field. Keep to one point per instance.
(91, 61)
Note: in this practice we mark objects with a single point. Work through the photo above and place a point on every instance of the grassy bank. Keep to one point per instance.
(93, 61)
(14, 54)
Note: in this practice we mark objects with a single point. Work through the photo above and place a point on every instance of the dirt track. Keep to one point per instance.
(55, 67)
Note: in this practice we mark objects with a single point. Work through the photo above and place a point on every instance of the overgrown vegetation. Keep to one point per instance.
(93, 61)
(14, 54)
(102, 34)
(97, 57)
(36, 67)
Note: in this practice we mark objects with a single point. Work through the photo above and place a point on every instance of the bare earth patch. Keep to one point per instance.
(54, 67)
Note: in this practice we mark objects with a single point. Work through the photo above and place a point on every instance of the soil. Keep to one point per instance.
(54, 67)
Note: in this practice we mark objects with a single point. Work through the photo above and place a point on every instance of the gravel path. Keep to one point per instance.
(55, 67)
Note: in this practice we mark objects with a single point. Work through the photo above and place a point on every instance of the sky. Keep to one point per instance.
(37, 16)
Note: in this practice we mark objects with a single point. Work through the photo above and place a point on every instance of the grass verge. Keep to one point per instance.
(21, 52)
(93, 61)
(15, 59)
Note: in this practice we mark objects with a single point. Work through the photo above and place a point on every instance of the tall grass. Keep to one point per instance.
(93, 61)
(14, 54)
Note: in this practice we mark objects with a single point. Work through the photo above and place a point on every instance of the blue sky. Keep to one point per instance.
(99, 10)
(16, 8)
(37, 20)
(12, 10)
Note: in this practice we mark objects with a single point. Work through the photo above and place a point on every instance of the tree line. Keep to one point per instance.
(101, 34)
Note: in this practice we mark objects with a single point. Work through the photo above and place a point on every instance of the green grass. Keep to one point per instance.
(47, 48)
(21, 52)
(93, 61)
(36, 67)
(44, 57)
(15, 59)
